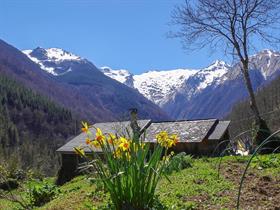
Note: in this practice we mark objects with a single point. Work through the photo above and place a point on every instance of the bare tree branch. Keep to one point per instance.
(234, 23)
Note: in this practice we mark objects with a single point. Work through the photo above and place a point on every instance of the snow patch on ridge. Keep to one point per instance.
(57, 54)
(157, 86)
(119, 75)
(213, 73)
(50, 70)
(50, 55)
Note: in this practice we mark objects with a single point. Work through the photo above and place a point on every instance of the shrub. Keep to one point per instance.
(12, 171)
(128, 169)
(187, 162)
(179, 162)
(9, 178)
(40, 194)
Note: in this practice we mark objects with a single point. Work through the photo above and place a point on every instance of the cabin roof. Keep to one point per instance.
(188, 131)
(219, 130)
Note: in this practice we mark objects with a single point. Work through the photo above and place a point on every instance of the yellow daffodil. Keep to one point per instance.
(96, 143)
(162, 136)
(174, 138)
(88, 141)
(99, 136)
(166, 140)
(112, 138)
(124, 144)
(117, 154)
(85, 127)
(168, 143)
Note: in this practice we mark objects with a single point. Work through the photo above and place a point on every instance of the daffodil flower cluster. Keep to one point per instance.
(120, 146)
(166, 140)
(123, 148)
(128, 167)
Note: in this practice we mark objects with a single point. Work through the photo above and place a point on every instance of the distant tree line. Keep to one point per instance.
(268, 100)
(31, 127)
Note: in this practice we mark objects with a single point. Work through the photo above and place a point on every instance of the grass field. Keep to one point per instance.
(197, 187)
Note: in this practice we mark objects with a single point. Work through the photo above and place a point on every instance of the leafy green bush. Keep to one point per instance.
(40, 194)
(179, 162)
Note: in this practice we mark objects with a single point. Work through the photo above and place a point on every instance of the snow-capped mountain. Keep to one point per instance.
(201, 93)
(157, 86)
(53, 60)
(111, 99)
(182, 93)
(203, 78)
(267, 61)
(160, 86)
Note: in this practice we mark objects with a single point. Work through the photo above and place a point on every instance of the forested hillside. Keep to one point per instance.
(31, 127)
(268, 100)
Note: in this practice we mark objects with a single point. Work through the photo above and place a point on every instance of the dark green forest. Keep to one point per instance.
(31, 128)
(268, 100)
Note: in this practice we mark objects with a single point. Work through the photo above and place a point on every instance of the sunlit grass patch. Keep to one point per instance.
(192, 185)
(79, 193)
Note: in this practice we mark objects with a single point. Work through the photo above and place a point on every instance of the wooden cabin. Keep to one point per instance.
(197, 137)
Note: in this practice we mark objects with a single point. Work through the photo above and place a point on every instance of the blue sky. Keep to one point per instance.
(120, 34)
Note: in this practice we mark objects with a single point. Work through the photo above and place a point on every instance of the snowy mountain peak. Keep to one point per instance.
(121, 75)
(268, 52)
(267, 62)
(55, 61)
(106, 69)
(51, 54)
(217, 64)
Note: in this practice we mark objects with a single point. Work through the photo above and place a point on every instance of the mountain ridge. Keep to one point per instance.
(197, 93)
(105, 94)
(215, 81)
